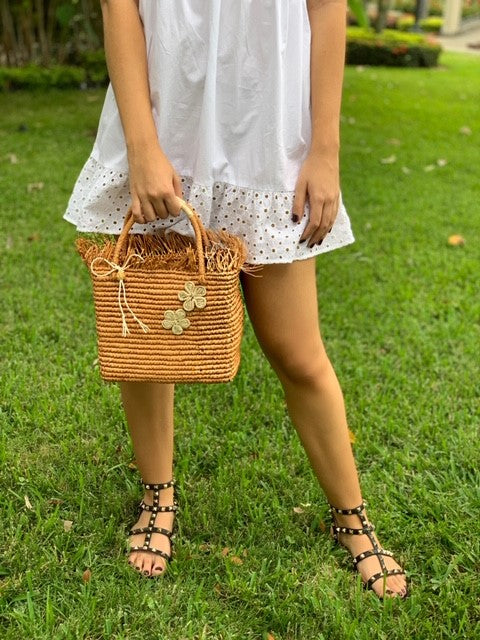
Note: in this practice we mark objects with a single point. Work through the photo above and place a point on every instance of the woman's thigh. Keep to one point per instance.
(282, 305)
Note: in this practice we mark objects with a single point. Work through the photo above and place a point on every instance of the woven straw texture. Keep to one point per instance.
(168, 308)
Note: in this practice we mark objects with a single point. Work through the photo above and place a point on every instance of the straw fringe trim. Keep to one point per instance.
(225, 253)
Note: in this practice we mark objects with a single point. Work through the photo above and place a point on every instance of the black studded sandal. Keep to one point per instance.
(376, 551)
(150, 528)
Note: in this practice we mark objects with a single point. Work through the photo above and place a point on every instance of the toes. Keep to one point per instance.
(147, 566)
(158, 569)
(135, 562)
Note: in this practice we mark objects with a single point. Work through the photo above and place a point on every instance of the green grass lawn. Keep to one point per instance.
(400, 316)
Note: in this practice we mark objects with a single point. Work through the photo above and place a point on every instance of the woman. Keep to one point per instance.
(234, 106)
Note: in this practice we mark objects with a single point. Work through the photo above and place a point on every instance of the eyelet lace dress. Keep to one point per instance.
(230, 94)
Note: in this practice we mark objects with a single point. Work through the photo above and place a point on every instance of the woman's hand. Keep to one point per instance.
(154, 183)
(318, 180)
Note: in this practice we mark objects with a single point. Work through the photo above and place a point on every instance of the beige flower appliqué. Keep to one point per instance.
(193, 296)
(176, 321)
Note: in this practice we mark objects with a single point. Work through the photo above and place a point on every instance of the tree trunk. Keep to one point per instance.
(42, 36)
(9, 41)
(383, 7)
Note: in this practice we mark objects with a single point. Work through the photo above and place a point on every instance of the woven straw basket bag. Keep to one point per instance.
(168, 308)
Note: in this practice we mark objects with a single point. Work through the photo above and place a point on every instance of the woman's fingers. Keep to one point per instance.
(325, 223)
(149, 213)
(315, 217)
(299, 198)
(323, 212)
(172, 204)
(137, 210)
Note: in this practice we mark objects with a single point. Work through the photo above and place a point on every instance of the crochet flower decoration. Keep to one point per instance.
(176, 321)
(193, 296)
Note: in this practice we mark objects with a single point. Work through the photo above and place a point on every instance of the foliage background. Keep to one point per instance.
(46, 31)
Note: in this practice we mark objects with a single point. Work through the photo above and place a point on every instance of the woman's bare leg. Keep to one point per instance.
(149, 409)
(283, 308)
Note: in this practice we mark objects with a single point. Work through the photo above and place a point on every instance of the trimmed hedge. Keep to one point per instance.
(36, 77)
(432, 24)
(391, 48)
(92, 72)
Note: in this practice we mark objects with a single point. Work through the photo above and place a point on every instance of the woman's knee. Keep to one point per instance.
(301, 365)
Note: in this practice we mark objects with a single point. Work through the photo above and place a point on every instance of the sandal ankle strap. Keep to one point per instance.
(358, 509)
(158, 486)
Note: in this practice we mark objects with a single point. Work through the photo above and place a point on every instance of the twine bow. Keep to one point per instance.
(120, 270)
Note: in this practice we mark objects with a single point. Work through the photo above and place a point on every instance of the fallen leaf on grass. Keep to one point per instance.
(465, 130)
(35, 186)
(389, 160)
(67, 525)
(9, 242)
(132, 465)
(55, 501)
(86, 575)
(34, 237)
(322, 526)
(406, 170)
(441, 162)
(204, 547)
(456, 240)
(270, 636)
(298, 509)
(236, 560)
(225, 551)
(351, 120)
(429, 167)
(13, 158)
(27, 502)
(352, 436)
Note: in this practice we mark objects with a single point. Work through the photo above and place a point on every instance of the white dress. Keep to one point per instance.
(230, 94)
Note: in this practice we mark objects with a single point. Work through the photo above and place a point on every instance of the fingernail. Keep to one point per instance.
(145, 573)
(295, 217)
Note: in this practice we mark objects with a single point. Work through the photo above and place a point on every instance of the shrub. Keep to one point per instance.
(36, 77)
(91, 71)
(432, 24)
(95, 66)
(391, 48)
(435, 7)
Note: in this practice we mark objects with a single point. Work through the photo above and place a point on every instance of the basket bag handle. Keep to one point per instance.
(201, 238)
